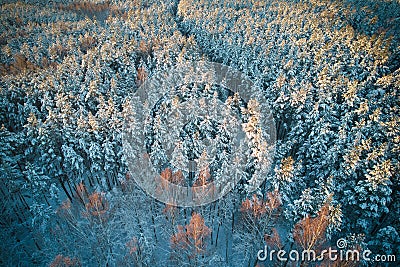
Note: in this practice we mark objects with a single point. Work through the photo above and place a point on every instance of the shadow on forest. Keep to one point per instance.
(385, 16)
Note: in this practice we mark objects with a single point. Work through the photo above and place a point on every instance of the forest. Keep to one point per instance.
(200, 133)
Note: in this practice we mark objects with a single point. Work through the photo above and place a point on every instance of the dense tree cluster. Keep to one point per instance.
(329, 70)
